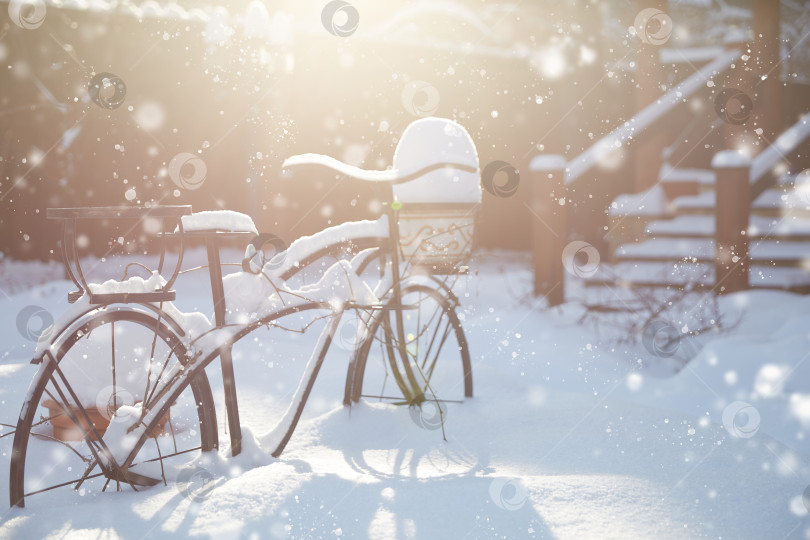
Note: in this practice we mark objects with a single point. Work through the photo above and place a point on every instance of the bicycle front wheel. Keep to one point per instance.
(412, 352)
(117, 358)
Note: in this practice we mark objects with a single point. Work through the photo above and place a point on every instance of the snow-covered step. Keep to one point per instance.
(784, 182)
(703, 178)
(694, 276)
(771, 203)
(693, 204)
(795, 279)
(773, 252)
(703, 226)
(652, 274)
(649, 204)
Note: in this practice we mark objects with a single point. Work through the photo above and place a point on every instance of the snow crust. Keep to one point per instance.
(784, 145)
(652, 202)
(548, 162)
(219, 220)
(730, 159)
(668, 173)
(563, 420)
(305, 246)
(250, 297)
(135, 284)
(690, 54)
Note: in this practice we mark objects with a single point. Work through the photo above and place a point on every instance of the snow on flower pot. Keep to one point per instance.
(65, 429)
(436, 212)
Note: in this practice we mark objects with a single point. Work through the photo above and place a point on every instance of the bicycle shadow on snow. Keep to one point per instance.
(397, 480)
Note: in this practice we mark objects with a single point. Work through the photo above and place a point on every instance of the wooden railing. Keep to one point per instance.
(784, 145)
(649, 115)
(738, 182)
(551, 174)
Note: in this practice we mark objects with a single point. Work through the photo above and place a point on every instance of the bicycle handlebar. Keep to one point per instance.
(389, 176)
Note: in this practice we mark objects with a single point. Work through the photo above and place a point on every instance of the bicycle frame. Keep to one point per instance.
(389, 250)
(419, 242)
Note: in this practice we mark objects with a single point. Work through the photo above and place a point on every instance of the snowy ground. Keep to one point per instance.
(565, 438)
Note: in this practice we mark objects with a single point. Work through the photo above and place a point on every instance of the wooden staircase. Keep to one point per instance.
(667, 244)
(664, 238)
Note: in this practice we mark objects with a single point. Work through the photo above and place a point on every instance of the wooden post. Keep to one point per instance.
(732, 188)
(549, 228)
(766, 70)
(737, 131)
(649, 76)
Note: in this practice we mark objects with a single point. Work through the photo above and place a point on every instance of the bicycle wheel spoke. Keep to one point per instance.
(73, 418)
(425, 351)
(397, 400)
(106, 350)
(432, 341)
(384, 365)
(86, 418)
(86, 474)
(160, 457)
(171, 428)
(54, 439)
(445, 335)
(112, 355)
(63, 484)
(152, 353)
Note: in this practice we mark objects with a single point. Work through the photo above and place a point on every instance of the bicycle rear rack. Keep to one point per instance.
(70, 257)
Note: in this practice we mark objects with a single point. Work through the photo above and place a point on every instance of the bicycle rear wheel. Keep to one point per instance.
(67, 426)
(413, 352)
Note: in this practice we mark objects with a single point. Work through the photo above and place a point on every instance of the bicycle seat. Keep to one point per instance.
(435, 161)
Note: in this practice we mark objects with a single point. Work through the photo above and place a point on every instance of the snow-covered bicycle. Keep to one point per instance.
(121, 395)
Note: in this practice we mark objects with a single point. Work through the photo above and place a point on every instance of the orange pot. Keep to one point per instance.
(64, 429)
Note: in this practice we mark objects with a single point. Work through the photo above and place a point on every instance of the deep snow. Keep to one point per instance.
(566, 437)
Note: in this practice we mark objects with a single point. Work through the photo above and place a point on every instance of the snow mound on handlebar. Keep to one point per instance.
(424, 143)
(250, 297)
